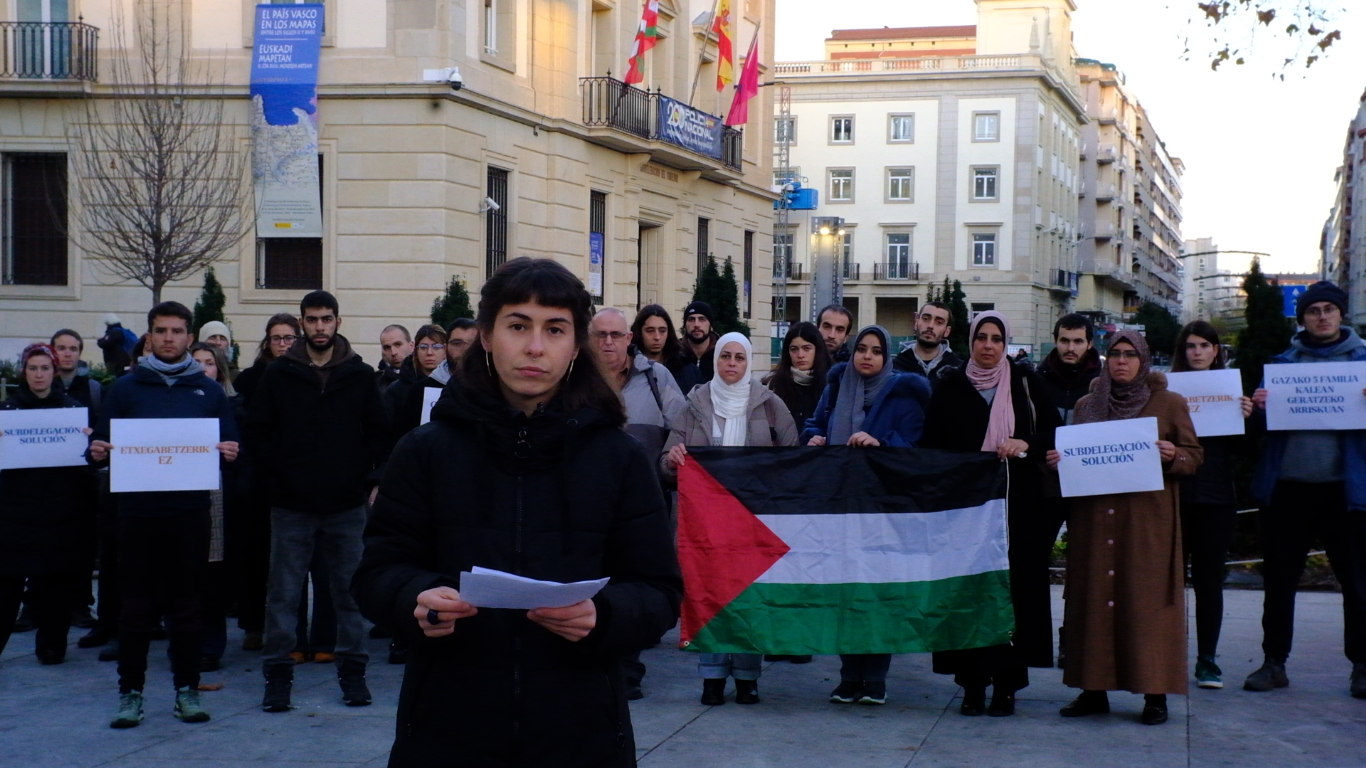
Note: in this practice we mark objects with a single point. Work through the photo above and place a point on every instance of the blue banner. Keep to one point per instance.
(596, 248)
(284, 119)
(680, 124)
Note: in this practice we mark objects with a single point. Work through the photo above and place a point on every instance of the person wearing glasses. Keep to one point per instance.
(1126, 577)
(429, 352)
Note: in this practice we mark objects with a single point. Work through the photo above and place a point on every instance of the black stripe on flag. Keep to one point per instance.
(835, 480)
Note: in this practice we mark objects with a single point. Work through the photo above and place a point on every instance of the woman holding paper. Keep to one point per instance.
(524, 468)
(45, 520)
(1209, 506)
(1126, 579)
(867, 403)
(994, 405)
(732, 409)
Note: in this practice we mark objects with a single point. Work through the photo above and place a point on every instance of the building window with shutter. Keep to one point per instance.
(33, 210)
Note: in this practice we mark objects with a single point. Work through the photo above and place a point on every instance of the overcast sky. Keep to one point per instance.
(1260, 153)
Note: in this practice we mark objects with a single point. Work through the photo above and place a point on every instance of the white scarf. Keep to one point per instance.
(730, 402)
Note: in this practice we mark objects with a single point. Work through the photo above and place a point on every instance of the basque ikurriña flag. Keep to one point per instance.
(843, 550)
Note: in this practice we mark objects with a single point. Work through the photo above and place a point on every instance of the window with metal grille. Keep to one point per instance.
(33, 236)
(292, 263)
(703, 242)
(496, 221)
(747, 297)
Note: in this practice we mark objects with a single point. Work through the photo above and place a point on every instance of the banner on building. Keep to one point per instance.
(689, 128)
(596, 248)
(843, 550)
(284, 120)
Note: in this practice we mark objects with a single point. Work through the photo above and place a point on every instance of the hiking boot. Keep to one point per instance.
(873, 693)
(1207, 673)
(1271, 675)
(130, 710)
(279, 684)
(714, 691)
(847, 692)
(746, 691)
(95, 638)
(351, 676)
(1359, 681)
(187, 706)
(974, 701)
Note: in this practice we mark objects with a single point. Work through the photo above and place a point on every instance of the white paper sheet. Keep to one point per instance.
(1315, 396)
(1109, 457)
(43, 437)
(163, 455)
(487, 588)
(429, 397)
(1214, 399)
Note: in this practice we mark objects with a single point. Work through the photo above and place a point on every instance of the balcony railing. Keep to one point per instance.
(41, 50)
(792, 272)
(918, 64)
(851, 270)
(611, 103)
(896, 270)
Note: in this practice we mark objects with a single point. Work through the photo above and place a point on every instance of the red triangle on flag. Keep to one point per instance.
(722, 547)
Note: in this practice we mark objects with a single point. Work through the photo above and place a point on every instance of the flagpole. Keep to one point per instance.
(697, 75)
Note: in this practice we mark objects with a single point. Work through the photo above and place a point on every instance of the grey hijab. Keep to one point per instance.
(858, 392)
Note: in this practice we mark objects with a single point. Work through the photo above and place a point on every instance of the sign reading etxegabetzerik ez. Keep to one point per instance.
(43, 437)
(1315, 396)
(163, 455)
(1109, 457)
(1214, 399)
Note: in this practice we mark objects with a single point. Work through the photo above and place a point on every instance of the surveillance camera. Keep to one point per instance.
(489, 205)
(449, 75)
(457, 82)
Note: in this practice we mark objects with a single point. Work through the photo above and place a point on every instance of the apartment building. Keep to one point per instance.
(1342, 252)
(1210, 291)
(542, 125)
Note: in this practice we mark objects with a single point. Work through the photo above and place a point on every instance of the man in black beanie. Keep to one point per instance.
(693, 365)
(1312, 484)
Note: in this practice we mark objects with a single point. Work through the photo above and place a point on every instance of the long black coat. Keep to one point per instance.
(47, 518)
(957, 420)
(318, 448)
(560, 496)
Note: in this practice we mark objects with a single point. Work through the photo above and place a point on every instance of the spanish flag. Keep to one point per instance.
(843, 550)
(724, 27)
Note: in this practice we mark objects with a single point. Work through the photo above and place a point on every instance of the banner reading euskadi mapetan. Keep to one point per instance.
(843, 550)
(284, 119)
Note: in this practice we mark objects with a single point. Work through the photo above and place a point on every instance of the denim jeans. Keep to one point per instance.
(741, 666)
(293, 536)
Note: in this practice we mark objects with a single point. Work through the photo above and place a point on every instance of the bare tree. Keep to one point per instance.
(160, 175)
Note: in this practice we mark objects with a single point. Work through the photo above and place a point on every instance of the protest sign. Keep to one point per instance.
(163, 455)
(1315, 396)
(43, 437)
(1109, 457)
(1214, 399)
(429, 397)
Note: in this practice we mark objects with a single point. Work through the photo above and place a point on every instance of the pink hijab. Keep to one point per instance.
(1002, 423)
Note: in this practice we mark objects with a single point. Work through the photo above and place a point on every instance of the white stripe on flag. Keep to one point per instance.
(889, 548)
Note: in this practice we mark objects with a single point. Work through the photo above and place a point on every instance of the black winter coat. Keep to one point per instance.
(1066, 387)
(562, 496)
(47, 514)
(317, 448)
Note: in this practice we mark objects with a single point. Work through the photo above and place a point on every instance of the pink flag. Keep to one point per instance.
(748, 87)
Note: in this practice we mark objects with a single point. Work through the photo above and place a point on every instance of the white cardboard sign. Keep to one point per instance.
(1214, 399)
(163, 455)
(429, 397)
(43, 437)
(1109, 457)
(1315, 396)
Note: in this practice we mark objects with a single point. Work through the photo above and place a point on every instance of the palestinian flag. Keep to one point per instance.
(843, 550)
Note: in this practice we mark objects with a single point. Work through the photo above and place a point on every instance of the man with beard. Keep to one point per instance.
(694, 365)
(318, 433)
(163, 537)
(1072, 365)
(930, 355)
(835, 323)
(395, 345)
(460, 335)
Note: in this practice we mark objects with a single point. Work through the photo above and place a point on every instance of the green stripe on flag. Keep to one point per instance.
(948, 614)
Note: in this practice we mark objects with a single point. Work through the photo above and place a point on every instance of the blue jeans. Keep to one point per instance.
(741, 666)
(293, 536)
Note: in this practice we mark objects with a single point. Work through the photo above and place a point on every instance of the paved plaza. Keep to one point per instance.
(57, 717)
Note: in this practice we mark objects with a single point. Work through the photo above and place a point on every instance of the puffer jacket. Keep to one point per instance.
(560, 496)
(47, 520)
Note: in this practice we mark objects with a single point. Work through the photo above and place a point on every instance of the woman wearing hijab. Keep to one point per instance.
(867, 403)
(800, 376)
(730, 410)
(996, 406)
(1126, 580)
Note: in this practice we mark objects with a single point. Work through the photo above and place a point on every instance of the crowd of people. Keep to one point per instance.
(544, 438)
